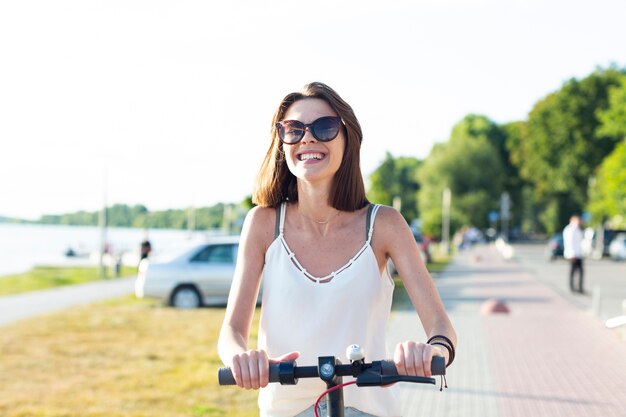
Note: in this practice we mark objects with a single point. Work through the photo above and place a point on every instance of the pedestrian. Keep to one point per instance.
(145, 249)
(573, 251)
(321, 249)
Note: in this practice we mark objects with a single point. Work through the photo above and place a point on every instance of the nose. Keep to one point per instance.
(308, 136)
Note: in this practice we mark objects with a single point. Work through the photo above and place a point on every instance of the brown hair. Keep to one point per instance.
(275, 183)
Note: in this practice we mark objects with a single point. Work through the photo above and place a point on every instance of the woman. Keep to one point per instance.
(322, 250)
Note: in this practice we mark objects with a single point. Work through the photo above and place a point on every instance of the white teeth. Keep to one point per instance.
(307, 156)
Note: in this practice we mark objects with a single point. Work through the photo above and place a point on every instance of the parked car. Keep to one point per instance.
(195, 276)
(596, 242)
(617, 248)
(554, 248)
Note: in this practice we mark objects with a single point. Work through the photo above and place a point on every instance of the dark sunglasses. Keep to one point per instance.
(323, 129)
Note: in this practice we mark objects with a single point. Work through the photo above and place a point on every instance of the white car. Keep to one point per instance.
(195, 276)
(617, 248)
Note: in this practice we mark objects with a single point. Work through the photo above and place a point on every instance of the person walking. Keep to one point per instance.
(573, 251)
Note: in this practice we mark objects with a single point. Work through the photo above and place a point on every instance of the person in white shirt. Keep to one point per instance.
(573, 251)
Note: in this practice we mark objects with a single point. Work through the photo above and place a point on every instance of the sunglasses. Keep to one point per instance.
(323, 129)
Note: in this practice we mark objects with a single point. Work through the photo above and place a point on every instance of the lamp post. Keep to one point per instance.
(505, 213)
(445, 221)
(102, 223)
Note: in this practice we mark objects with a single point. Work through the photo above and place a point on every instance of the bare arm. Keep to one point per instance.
(396, 241)
(234, 335)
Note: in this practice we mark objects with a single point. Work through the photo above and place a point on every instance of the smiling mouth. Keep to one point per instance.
(313, 155)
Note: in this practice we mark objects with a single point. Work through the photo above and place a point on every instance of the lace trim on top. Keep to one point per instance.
(327, 278)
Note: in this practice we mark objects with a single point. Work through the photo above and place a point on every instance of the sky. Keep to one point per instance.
(169, 103)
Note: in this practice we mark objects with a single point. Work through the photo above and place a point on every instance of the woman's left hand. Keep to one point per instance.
(414, 358)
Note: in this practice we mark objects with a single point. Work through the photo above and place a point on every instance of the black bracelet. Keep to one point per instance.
(450, 352)
(438, 336)
(448, 345)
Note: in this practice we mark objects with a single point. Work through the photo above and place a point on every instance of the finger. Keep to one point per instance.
(253, 367)
(264, 374)
(427, 356)
(236, 370)
(245, 371)
(291, 356)
(398, 359)
(413, 359)
(416, 359)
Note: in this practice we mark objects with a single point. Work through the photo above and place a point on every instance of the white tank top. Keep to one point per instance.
(321, 317)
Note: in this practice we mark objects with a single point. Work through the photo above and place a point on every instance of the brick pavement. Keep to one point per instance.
(546, 358)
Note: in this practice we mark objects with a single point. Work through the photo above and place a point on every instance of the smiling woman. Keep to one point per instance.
(322, 251)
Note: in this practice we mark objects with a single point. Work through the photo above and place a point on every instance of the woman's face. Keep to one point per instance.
(310, 159)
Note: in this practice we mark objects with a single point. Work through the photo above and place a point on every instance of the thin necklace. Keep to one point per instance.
(321, 222)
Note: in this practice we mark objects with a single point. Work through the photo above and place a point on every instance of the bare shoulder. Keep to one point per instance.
(261, 214)
(390, 221)
(259, 225)
(390, 227)
(389, 216)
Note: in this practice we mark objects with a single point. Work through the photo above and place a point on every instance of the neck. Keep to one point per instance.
(314, 205)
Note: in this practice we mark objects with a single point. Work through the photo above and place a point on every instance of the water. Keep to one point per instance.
(24, 246)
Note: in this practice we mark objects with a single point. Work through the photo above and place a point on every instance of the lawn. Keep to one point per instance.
(121, 358)
(44, 277)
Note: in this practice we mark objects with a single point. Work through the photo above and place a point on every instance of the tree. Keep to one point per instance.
(471, 166)
(561, 145)
(613, 119)
(607, 191)
(525, 208)
(396, 177)
(607, 202)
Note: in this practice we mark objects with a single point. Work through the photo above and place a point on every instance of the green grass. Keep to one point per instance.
(121, 358)
(437, 265)
(43, 277)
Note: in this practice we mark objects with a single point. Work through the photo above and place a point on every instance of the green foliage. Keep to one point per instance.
(613, 119)
(608, 189)
(396, 177)
(247, 203)
(560, 145)
(544, 163)
(80, 218)
(529, 211)
(470, 165)
(122, 215)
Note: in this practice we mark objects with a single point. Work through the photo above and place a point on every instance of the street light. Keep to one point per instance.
(445, 223)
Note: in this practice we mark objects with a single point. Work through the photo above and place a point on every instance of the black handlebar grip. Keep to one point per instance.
(274, 372)
(388, 367)
(225, 377)
(437, 366)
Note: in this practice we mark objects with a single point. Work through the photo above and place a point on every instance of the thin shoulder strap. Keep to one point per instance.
(369, 223)
(280, 219)
(277, 226)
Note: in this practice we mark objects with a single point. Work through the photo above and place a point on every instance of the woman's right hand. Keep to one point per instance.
(251, 368)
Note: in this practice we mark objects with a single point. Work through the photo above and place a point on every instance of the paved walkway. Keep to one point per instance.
(20, 306)
(546, 358)
(605, 284)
